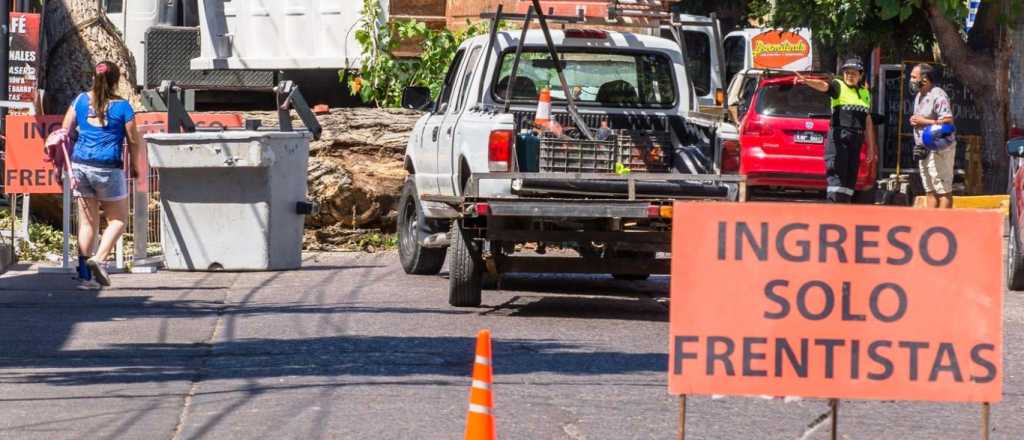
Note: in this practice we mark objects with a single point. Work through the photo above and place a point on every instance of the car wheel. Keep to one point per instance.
(412, 229)
(465, 277)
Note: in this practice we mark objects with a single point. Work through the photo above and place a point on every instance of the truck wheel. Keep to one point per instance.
(1014, 260)
(412, 229)
(465, 271)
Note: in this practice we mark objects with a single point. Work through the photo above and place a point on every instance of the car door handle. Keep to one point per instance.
(449, 132)
(434, 133)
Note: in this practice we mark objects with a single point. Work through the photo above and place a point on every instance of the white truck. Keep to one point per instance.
(485, 180)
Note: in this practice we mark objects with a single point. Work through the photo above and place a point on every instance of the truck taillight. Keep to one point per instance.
(499, 150)
(730, 156)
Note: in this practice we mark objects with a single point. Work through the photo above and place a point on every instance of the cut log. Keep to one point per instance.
(78, 36)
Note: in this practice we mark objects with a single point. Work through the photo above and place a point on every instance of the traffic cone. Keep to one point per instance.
(543, 116)
(480, 421)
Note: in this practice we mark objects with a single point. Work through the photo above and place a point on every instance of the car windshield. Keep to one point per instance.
(598, 79)
(792, 101)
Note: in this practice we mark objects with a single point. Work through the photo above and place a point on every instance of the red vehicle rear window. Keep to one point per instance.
(795, 101)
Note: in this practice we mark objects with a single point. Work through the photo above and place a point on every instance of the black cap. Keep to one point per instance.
(852, 63)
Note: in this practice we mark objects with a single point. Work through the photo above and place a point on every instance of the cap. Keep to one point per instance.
(852, 63)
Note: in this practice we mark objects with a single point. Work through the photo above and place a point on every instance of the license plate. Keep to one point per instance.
(809, 137)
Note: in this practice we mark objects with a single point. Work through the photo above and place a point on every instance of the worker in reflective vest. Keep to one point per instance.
(851, 127)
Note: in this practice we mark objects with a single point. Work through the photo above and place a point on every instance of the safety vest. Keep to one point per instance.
(857, 99)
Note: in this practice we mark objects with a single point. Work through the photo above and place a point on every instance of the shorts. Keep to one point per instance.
(937, 171)
(103, 184)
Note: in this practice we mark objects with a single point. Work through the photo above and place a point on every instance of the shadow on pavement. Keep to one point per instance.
(363, 356)
(603, 285)
(33, 340)
(626, 309)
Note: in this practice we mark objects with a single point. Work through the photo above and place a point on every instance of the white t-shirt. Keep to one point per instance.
(934, 105)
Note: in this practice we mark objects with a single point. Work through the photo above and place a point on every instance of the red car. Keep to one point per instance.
(1015, 243)
(782, 137)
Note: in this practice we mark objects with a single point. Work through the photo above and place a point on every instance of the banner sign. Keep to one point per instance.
(25, 171)
(775, 49)
(23, 78)
(841, 302)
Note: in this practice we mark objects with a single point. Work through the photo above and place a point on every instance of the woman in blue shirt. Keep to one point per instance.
(103, 120)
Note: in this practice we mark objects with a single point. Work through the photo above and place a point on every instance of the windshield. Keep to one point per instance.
(792, 101)
(599, 79)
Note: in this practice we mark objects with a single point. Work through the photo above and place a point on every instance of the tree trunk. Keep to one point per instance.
(986, 74)
(79, 35)
(1017, 73)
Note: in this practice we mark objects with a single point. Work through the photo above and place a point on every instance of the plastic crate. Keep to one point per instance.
(645, 151)
(577, 156)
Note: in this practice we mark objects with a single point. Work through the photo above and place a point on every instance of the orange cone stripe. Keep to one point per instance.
(481, 385)
(483, 360)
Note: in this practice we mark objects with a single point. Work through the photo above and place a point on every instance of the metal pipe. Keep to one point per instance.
(515, 62)
(569, 100)
(490, 47)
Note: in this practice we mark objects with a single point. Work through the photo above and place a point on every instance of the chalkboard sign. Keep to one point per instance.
(965, 113)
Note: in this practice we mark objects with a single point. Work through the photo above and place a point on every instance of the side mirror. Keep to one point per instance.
(416, 98)
(1015, 147)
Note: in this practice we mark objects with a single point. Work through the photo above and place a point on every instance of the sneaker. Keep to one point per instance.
(89, 285)
(98, 272)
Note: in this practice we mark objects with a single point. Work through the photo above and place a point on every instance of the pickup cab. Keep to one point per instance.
(484, 179)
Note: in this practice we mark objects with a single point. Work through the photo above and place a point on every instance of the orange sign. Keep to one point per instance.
(25, 172)
(836, 302)
(777, 49)
(157, 122)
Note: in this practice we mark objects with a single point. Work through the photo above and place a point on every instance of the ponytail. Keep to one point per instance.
(104, 86)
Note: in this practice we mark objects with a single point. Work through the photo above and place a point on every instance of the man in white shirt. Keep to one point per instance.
(931, 106)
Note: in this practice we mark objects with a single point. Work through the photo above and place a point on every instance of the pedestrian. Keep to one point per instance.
(851, 127)
(932, 107)
(102, 121)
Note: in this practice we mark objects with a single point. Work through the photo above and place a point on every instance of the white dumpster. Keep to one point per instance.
(231, 200)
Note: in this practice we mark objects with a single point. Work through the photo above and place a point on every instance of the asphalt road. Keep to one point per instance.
(352, 348)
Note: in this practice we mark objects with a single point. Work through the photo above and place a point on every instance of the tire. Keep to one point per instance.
(465, 271)
(412, 229)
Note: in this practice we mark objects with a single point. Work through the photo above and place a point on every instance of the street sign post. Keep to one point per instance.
(847, 302)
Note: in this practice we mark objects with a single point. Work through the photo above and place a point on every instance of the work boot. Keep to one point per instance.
(99, 273)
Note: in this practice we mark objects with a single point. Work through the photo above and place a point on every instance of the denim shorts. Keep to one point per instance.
(103, 184)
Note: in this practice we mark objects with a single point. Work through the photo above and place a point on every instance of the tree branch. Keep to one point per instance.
(972, 69)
